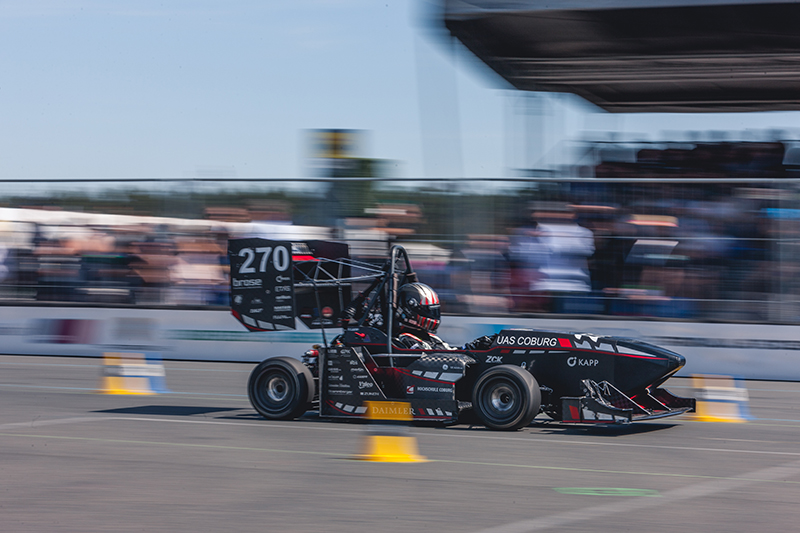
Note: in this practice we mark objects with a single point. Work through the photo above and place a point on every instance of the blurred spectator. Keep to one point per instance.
(553, 254)
(151, 262)
(196, 276)
(481, 276)
(57, 273)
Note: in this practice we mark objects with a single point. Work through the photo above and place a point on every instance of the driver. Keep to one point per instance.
(418, 314)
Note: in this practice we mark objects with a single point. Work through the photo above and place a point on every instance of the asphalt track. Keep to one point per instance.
(199, 459)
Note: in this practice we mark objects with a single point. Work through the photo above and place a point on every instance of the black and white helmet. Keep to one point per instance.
(418, 307)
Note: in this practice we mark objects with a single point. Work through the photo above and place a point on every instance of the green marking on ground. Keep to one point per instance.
(606, 491)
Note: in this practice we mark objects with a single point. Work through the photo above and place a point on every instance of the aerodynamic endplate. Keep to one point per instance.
(602, 403)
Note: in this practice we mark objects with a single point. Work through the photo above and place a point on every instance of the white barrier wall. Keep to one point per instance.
(750, 351)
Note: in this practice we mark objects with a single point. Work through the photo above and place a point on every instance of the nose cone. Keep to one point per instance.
(672, 362)
(636, 372)
(676, 361)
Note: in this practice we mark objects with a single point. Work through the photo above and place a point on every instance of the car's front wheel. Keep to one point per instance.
(506, 397)
(280, 388)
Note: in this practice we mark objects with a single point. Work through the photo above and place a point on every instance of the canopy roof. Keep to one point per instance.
(637, 55)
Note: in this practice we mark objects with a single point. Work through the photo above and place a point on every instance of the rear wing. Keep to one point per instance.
(274, 282)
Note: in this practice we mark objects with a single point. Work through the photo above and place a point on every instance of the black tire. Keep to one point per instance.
(506, 397)
(280, 388)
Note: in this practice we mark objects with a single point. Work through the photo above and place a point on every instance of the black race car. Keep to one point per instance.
(503, 381)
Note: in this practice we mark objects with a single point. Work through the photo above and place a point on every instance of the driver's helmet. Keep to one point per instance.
(418, 307)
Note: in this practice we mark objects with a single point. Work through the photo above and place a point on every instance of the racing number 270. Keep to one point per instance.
(280, 259)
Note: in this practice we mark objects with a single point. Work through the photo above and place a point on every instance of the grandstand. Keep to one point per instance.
(640, 55)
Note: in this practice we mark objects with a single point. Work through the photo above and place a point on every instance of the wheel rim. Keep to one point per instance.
(277, 389)
(501, 400)
(275, 392)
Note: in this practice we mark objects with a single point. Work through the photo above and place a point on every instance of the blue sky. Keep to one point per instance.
(167, 89)
(114, 89)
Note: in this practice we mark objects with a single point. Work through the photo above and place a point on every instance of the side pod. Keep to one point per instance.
(602, 403)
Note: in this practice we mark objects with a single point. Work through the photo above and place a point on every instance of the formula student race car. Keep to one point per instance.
(503, 381)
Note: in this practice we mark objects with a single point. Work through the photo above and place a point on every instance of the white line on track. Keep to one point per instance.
(439, 434)
(53, 422)
(720, 483)
(550, 441)
(76, 420)
(691, 492)
(725, 439)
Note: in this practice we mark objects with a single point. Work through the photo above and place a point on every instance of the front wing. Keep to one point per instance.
(602, 403)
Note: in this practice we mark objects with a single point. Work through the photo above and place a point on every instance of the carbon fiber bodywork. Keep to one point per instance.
(351, 376)
(583, 378)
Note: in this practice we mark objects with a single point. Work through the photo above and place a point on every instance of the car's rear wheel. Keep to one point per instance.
(506, 397)
(280, 388)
